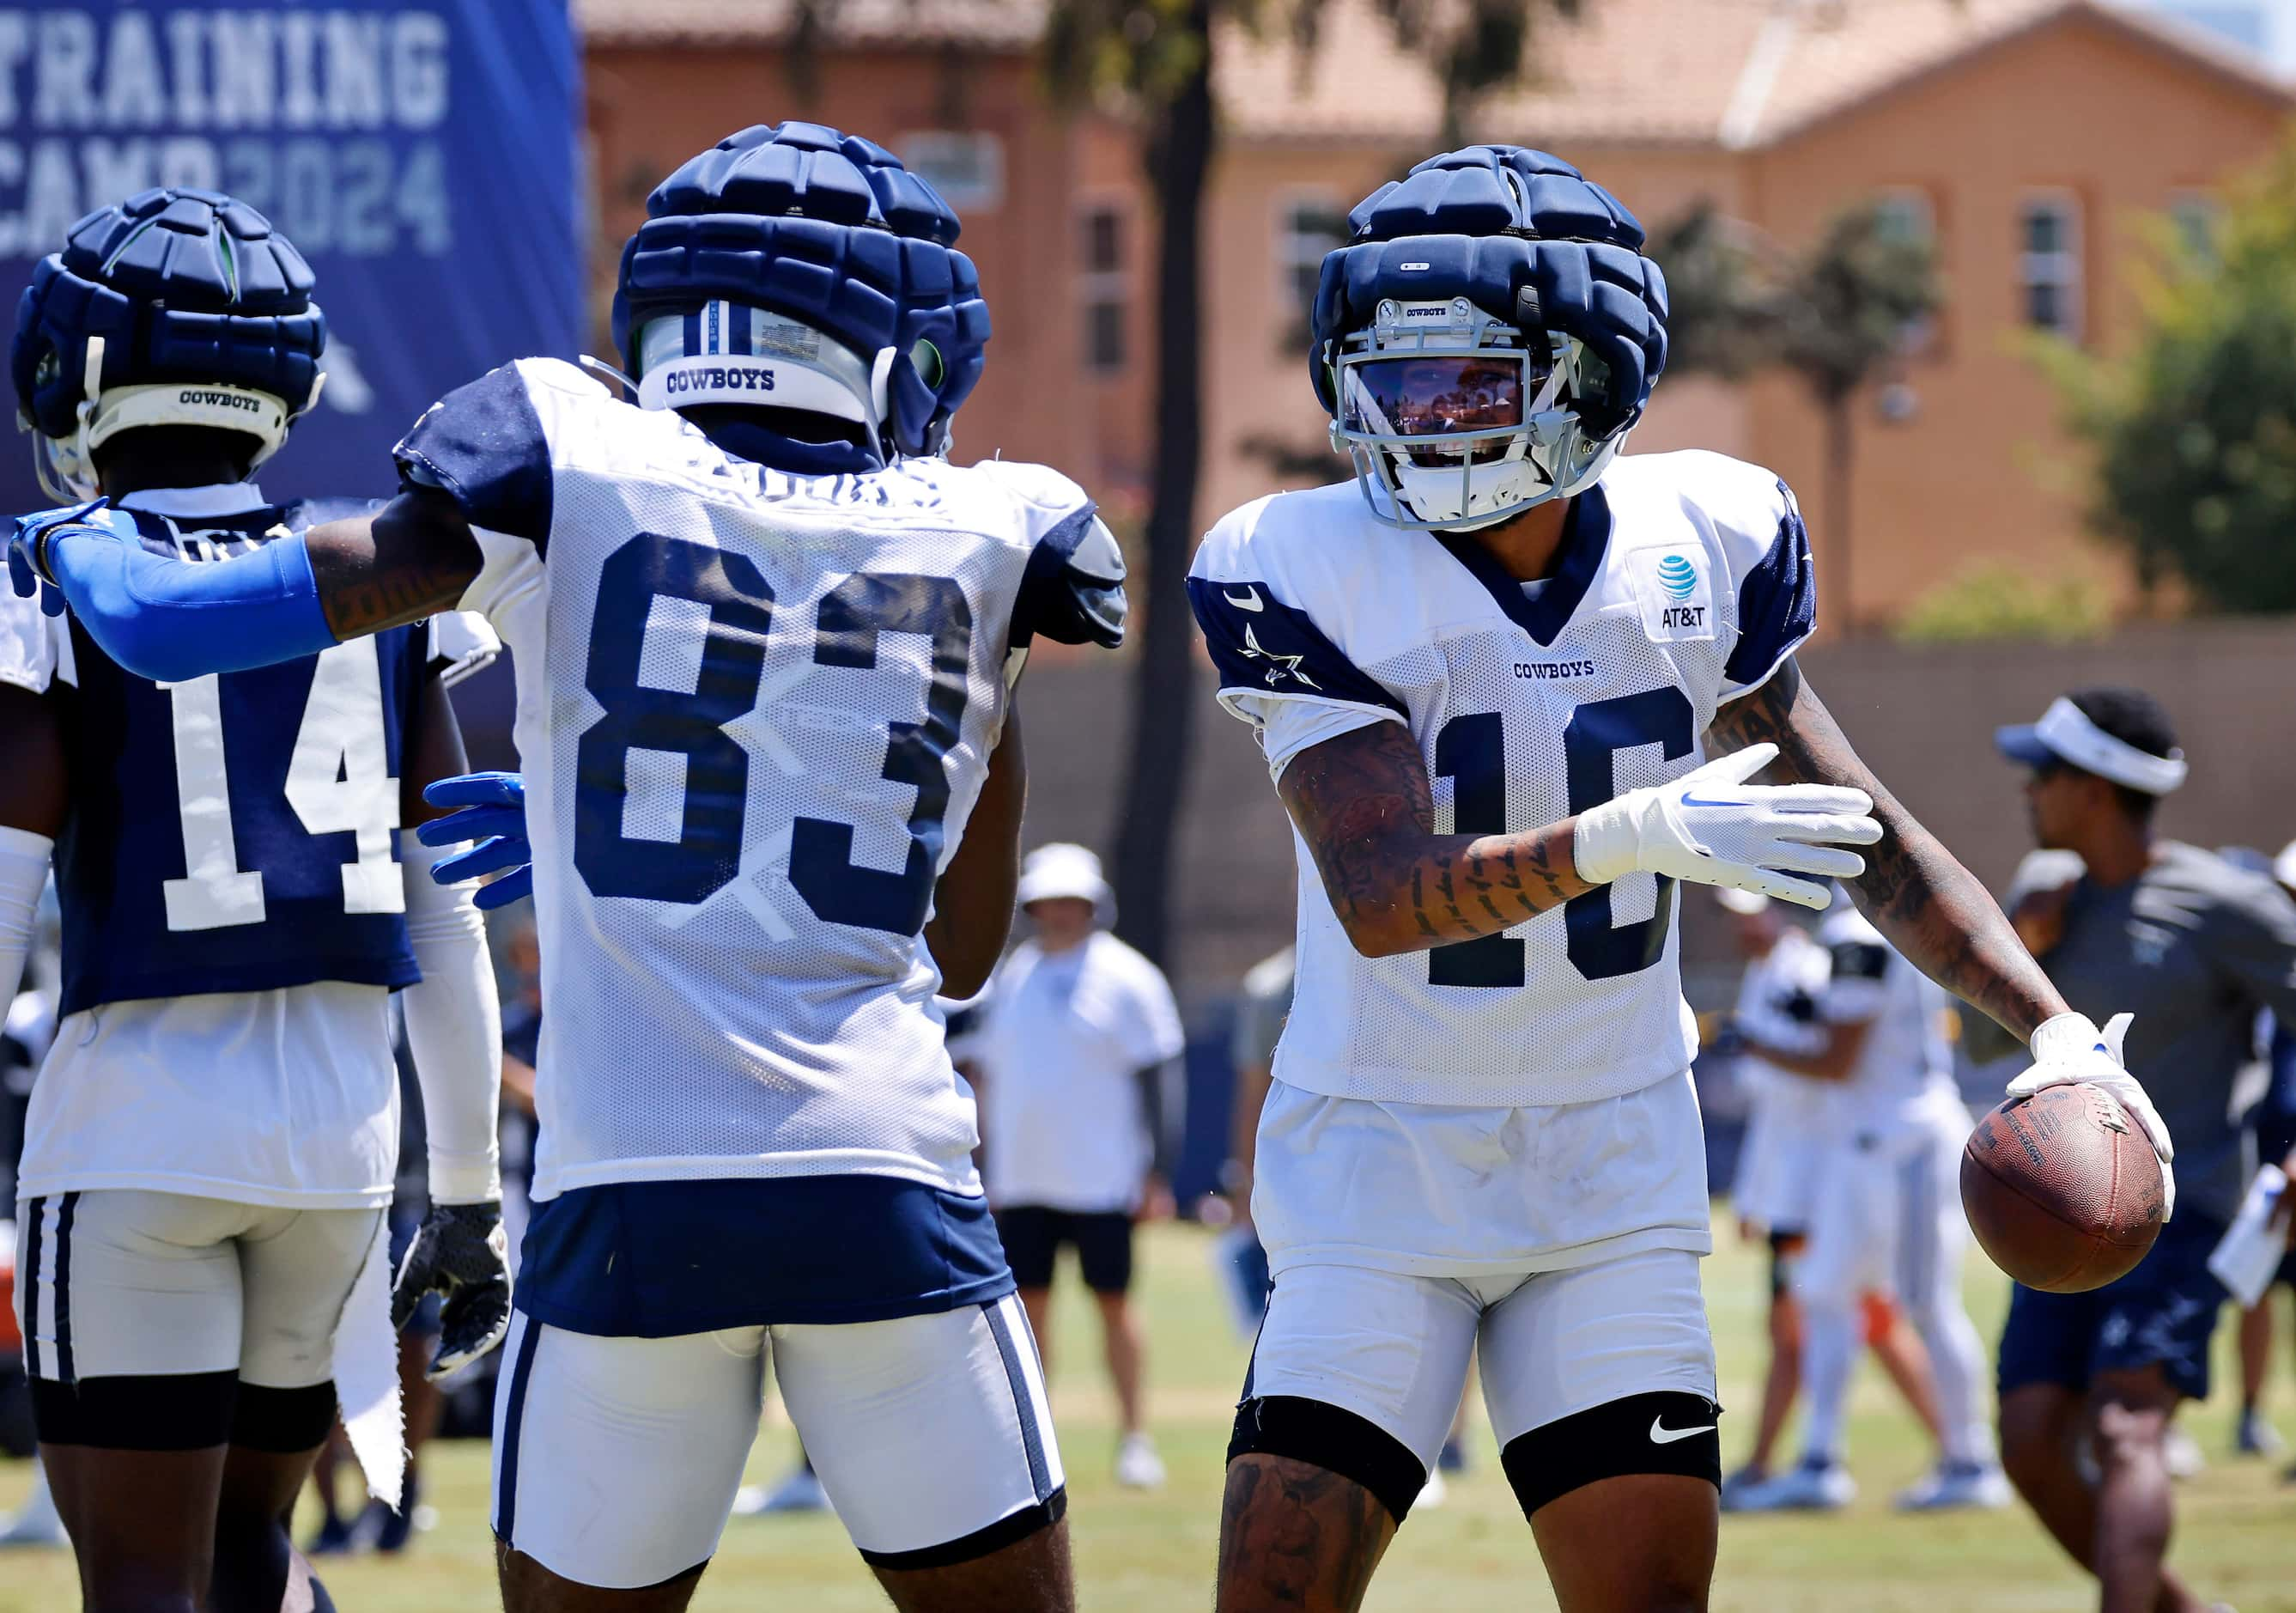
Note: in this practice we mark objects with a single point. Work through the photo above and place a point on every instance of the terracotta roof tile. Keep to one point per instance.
(1737, 72)
(994, 24)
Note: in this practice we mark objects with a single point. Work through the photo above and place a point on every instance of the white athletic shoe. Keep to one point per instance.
(34, 1523)
(1740, 1487)
(1816, 1485)
(1137, 1465)
(2257, 1436)
(2183, 1454)
(1434, 1493)
(800, 1492)
(1958, 1485)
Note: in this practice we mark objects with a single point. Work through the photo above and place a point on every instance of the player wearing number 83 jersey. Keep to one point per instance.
(766, 637)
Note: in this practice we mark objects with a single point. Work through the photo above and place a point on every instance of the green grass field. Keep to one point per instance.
(2236, 1524)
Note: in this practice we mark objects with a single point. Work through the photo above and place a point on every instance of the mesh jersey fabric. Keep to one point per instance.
(754, 712)
(1905, 1066)
(1683, 581)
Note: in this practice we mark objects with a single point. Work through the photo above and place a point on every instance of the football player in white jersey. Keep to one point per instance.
(212, 1137)
(1885, 1218)
(764, 636)
(1488, 679)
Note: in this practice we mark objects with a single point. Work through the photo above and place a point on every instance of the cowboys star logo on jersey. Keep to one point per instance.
(1280, 667)
(1682, 583)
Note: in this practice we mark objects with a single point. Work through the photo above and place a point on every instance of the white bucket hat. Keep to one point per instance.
(1062, 869)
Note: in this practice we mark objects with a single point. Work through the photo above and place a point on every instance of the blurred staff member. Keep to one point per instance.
(2273, 1123)
(2193, 946)
(1073, 1081)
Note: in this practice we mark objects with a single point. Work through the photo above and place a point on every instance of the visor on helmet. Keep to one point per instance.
(1432, 395)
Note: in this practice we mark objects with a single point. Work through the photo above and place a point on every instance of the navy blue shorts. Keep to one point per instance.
(2161, 1314)
(662, 1259)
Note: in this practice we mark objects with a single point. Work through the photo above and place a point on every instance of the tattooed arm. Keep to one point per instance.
(412, 558)
(1913, 890)
(1363, 803)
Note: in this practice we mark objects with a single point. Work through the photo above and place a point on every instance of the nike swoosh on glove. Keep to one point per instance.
(2071, 1049)
(31, 569)
(494, 814)
(1710, 826)
(458, 1252)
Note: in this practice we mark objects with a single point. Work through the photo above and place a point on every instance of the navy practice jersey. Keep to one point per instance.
(1683, 581)
(231, 832)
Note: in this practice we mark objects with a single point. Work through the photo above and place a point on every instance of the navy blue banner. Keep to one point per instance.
(423, 158)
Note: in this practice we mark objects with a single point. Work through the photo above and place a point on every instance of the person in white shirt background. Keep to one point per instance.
(1074, 1054)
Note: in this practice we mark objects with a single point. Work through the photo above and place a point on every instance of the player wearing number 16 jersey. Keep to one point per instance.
(764, 637)
(211, 1140)
(1495, 686)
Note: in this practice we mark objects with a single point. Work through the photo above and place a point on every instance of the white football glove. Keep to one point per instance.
(2071, 1049)
(1712, 827)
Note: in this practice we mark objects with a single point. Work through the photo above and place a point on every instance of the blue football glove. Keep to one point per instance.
(493, 812)
(29, 567)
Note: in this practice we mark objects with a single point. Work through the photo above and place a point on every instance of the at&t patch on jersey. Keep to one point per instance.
(1675, 590)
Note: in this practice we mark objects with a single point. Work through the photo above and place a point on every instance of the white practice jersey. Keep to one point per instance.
(1778, 1003)
(754, 712)
(1904, 1071)
(1684, 580)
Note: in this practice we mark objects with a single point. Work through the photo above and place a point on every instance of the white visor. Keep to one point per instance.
(2065, 734)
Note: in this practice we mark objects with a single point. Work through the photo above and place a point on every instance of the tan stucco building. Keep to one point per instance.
(2031, 138)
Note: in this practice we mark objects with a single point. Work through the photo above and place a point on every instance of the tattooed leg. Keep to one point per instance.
(1297, 1537)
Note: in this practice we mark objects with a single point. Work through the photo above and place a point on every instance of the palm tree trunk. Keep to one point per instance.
(1163, 699)
(1840, 476)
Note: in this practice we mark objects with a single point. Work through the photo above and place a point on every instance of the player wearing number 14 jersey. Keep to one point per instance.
(765, 636)
(212, 1137)
(1488, 678)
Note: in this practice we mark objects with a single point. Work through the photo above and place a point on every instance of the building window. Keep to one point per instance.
(1905, 214)
(1107, 283)
(2049, 265)
(2196, 214)
(967, 168)
(1307, 229)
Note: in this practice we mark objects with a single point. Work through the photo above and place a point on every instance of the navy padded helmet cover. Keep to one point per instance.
(823, 227)
(1488, 223)
(183, 285)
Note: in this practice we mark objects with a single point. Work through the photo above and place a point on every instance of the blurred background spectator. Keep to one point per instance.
(1078, 1096)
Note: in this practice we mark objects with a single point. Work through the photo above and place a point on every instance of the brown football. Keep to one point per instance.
(2062, 1188)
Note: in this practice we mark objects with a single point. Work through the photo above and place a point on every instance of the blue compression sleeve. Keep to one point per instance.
(174, 620)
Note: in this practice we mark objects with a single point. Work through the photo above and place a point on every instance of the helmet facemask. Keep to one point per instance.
(1461, 420)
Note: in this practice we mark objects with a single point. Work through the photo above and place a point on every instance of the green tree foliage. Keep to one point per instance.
(1838, 316)
(1153, 60)
(2194, 427)
(1992, 600)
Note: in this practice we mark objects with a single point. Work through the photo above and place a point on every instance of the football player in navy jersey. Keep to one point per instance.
(767, 635)
(1512, 688)
(211, 1146)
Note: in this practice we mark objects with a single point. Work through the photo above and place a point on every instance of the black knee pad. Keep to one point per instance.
(1666, 1431)
(174, 1412)
(1336, 1440)
(283, 1421)
(1011, 1529)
